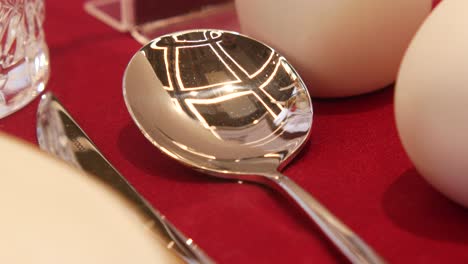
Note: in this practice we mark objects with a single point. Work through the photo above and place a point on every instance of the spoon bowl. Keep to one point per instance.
(227, 114)
(232, 107)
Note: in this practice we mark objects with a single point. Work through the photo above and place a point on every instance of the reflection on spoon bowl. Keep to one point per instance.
(232, 107)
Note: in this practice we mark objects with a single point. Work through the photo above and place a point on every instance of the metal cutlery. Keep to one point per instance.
(60, 135)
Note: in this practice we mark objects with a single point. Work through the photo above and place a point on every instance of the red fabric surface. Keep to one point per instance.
(354, 164)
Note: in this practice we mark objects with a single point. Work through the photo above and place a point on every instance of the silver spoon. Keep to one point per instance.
(232, 107)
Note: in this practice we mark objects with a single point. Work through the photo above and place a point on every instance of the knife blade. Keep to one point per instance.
(59, 134)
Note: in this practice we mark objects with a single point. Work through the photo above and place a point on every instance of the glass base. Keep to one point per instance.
(123, 15)
(111, 12)
(221, 16)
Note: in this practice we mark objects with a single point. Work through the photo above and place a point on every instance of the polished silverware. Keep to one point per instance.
(61, 136)
(232, 107)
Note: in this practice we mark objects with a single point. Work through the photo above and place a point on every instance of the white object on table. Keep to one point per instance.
(431, 100)
(340, 48)
(52, 213)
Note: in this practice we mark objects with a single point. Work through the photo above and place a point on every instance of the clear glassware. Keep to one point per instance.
(24, 56)
(145, 19)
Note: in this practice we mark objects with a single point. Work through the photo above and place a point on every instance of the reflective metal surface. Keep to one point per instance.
(61, 136)
(230, 106)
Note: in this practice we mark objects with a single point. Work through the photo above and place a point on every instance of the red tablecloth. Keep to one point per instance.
(354, 164)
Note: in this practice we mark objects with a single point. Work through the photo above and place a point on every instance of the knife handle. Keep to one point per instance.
(60, 135)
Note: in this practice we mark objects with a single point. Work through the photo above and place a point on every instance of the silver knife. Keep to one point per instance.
(60, 135)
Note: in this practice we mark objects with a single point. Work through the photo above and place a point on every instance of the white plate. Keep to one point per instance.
(52, 213)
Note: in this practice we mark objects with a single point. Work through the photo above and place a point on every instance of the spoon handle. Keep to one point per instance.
(353, 247)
